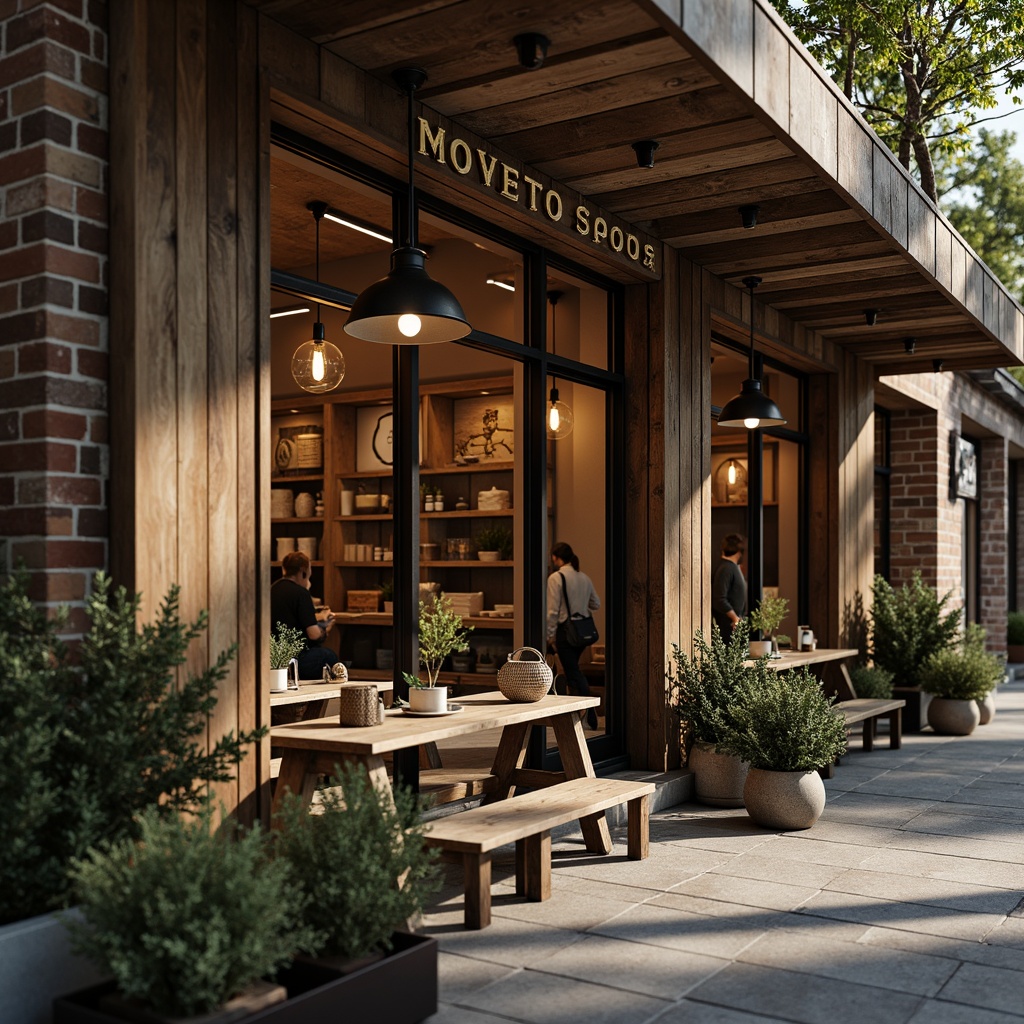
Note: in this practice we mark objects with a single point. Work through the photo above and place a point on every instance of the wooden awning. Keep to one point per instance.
(742, 116)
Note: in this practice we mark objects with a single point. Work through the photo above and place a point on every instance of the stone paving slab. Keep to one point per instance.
(894, 908)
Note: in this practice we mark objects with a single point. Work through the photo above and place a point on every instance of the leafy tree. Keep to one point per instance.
(918, 69)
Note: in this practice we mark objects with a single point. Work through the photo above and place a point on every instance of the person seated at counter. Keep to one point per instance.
(291, 604)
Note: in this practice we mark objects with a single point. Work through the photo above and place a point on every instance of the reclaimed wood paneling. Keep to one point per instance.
(855, 161)
(771, 69)
(725, 32)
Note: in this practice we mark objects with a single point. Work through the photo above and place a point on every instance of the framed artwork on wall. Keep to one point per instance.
(374, 438)
(483, 428)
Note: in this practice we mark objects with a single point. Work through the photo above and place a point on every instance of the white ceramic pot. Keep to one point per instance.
(717, 778)
(285, 545)
(953, 717)
(488, 556)
(308, 545)
(430, 699)
(987, 708)
(759, 648)
(278, 680)
(784, 800)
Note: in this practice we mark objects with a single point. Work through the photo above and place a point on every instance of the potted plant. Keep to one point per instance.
(958, 679)
(359, 913)
(704, 691)
(872, 681)
(86, 743)
(440, 633)
(786, 730)
(1015, 638)
(494, 543)
(765, 619)
(188, 919)
(286, 644)
(387, 596)
(908, 625)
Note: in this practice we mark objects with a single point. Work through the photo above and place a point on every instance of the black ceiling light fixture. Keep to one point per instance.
(559, 414)
(407, 307)
(937, 365)
(532, 48)
(751, 408)
(318, 365)
(909, 344)
(871, 317)
(748, 215)
(645, 152)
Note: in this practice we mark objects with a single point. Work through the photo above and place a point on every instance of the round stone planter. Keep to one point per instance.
(953, 717)
(784, 800)
(717, 778)
(987, 708)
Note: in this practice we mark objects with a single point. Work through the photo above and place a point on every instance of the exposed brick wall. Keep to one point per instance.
(53, 294)
(1018, 470)
(993, 511)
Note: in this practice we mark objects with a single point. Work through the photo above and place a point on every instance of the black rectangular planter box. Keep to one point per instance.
(400, 989)
(913, 719)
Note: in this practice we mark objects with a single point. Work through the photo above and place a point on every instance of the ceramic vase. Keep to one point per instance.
(717, 778)
(428, 699)
(950, 717)
(786, 801)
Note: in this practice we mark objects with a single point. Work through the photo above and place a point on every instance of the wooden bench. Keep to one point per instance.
(527, 821)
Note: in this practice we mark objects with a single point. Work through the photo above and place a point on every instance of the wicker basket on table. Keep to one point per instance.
(524, 682)
(359, 705)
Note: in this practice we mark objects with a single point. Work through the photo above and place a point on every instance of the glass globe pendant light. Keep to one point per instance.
(751, 408)
(317, 365)
(408, 307)
(559, 415)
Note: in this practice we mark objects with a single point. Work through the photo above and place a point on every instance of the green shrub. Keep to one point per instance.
(286, 642)
(1015, 629)
(705, 689)
(768, 615)
(187, 916)
(908, 626)
(872, 682)
(966, 673)
(349, 857)
(87, 743)
(785, 723)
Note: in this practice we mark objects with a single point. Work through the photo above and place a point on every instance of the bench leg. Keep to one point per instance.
(896, 729)
(638, 829)
(533, 867)
(869, 735)
(477, 868)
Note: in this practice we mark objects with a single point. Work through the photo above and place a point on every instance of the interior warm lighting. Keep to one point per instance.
(731, 472)
(501, 283)
(355, 225)
(317, 365)
(384, 312)
(559, 414)
(751, 408)
(288, 311)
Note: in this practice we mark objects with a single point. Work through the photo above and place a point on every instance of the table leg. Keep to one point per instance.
(572, 748)
(407, 768)
(508, 759)
(298, 775)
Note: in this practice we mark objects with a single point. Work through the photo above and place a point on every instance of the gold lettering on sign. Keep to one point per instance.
(510, 183)
(617, 239)
(553, 205)
(534, 185)
(600, 229)
(633, 247)
(462, 156)
(649, 256)
(582, 220)
(486, 169)
(436, 142)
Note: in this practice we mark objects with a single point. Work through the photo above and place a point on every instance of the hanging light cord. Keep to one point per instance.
(317, 219)
(751, 283)
(410, 230)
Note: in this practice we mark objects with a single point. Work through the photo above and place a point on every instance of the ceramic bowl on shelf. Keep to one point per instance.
(488, 556)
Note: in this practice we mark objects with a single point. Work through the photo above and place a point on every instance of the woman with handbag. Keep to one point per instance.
(570, 626)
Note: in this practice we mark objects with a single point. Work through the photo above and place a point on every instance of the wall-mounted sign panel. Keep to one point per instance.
(965, 469)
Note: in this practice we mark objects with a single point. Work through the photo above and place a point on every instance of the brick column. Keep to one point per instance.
(993, 513)
(913, 490)
(53, 294)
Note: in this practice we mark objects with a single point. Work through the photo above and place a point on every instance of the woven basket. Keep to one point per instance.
(524, 682)
(359, 705)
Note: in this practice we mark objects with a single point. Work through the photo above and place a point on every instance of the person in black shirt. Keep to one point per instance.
(291, 605)
(728, 587)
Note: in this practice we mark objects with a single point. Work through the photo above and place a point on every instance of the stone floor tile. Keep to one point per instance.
(460, 1015)
(990, 796)
(633, 966)
(746, 891)
(458, 976)
(954, 868)
(956, 821)
(803, 997)
(868, 809)
(810, 848)
(761, 864)
(933, 892)
(565, 909)
(921, 786)
(506, 941)
(938, 945)
(958, 846)
(912, 917)
(981, 806)
(994, 988)
(536, 996)
(935, 1011)
(675, 929)
(872, 836)
(1009, 932)
(735, 915)
(688, 1012)
(667, 865)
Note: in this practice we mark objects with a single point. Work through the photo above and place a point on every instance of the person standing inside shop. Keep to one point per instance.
(566, 581)
(291, 605)
(728, 587)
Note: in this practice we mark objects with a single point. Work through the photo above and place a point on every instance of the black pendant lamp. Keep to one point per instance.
(751, 408)
(407, 307)
(317, 365)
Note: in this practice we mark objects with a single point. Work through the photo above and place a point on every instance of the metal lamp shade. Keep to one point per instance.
(407, 290)
(751, 408)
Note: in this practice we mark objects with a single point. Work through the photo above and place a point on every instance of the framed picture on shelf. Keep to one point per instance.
(483, 428)
(374, 438)
(298, 446)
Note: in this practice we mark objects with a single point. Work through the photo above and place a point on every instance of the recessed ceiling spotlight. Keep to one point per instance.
(645, 152)
(937, 365)
(532, 48)
(748, 215)
(871, 317)
(909, 344)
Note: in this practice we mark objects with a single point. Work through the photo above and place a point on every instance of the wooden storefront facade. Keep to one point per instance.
(197, 88)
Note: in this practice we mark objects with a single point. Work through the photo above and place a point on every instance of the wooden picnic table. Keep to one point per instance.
(313, 692)
(313, 748)
(797, 659)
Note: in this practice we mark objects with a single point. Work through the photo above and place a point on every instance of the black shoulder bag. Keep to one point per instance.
(580, 630)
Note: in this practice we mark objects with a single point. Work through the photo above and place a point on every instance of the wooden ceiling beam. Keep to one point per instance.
(797, 262)
(797, 245)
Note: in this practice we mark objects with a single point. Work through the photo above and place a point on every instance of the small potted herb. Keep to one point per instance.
(765, 619)
(441, 633)
(387, 596)
(286, 644)
(494, 543)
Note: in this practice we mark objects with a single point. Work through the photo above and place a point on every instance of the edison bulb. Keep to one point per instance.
(731, 474)
(559, 417)
(553, 417)
(318, 366)
(751, 424)
(409, 324)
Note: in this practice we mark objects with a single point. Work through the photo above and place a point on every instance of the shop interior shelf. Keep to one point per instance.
(315, 563)
(299, 519)
(297, 478)
(384, 619)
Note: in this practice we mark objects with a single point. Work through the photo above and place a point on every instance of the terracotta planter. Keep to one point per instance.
(401, 988)
(717, 778)
(784, 800)
(987, 708)
(953, 717)
(428, 699)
